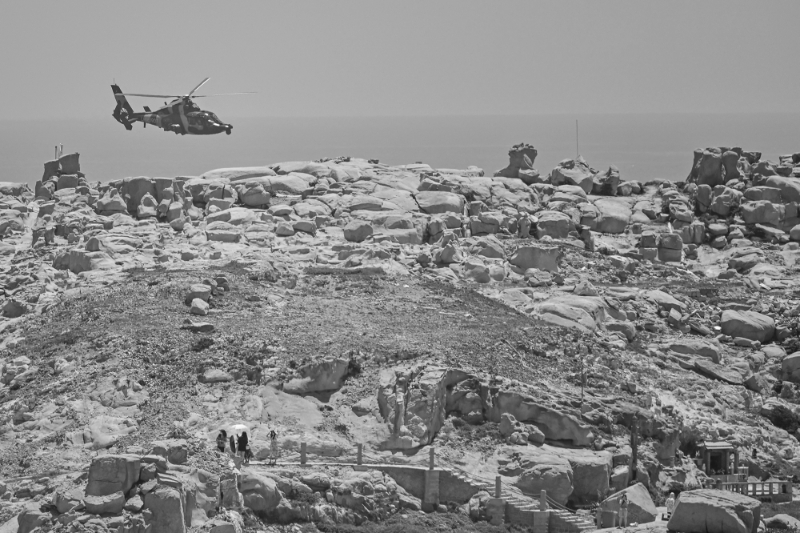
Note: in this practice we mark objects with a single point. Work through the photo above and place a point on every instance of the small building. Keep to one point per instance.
(720, 461)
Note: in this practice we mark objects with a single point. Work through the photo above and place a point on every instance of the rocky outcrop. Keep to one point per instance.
(167, 505)
(573, 172)
(606, 183)
(539, 257)
(326, 375)
(641, 508)
(748, 324)
(715, 511)
(110, 474)
(415, 402)
(520, 165)
(260, 493)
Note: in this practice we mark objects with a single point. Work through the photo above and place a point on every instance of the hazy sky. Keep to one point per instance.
(377, 58)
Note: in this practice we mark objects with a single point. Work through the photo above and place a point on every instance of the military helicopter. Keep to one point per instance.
(181, 116)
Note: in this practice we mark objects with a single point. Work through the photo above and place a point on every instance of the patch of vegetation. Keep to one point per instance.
(784, 418)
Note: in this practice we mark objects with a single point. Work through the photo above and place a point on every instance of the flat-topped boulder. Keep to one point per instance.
(109, 474)
(715, 511)
(748, 324)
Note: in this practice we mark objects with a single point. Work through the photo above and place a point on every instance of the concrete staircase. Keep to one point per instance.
(460, 487)
(521, 509)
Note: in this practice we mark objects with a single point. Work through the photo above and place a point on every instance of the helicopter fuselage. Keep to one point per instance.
(185, 119)
(181, 116)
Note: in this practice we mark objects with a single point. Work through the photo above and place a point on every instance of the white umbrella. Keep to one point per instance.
(238, 429)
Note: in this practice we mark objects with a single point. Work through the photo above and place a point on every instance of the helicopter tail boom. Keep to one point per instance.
(123, 111)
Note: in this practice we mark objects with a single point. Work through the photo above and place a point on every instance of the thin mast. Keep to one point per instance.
(577, 143)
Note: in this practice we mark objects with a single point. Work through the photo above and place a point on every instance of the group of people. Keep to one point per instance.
(240, 445)
(622, 514)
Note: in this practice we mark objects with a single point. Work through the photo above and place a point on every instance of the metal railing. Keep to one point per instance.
(759, 489)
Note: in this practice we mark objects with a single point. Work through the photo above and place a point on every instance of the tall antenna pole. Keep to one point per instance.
(577, 140)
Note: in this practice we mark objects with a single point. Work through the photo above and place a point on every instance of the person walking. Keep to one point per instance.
(233, 444)
(221, 438)
(273, 447)
(242, 444)
(670, 504)
(623, 510)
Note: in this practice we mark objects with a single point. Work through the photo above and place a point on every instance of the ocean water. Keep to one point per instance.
(643, 147)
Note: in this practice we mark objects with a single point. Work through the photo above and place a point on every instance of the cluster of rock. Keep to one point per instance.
(640, 276)
(137, 493)
(737, 196)
(161, 492)
(574, 172)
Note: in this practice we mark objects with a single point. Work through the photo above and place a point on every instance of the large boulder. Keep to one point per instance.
(606, 183)
(293, 183)
(715, 511)
(134, 189)
(770, 194)
(112, 473)
(520, 164)
(573, 172)
(436, 202)
(27, 521)
(707, 167)
(319, 376)
(167, 506)
(147, 207)
(696, 347)
(537, 256)
(108, 504)
(111, 203)
(761, 212)
(573, 311)
(565, 315)
(253, 192)
(553, 476)
(13, 189)
(357, 231)
(176, 451)
(238, 173)
(641, 508)
(665, 301)
(77, 261)
(555, 425)
(790, 368)
(748, 324)
(731, 168)
(260, 493)
(614, 215)
(591, 473)
(554, 224)
(789, 187)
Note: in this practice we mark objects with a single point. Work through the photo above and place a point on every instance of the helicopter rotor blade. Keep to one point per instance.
(151, 95)
(198, 86)
(220, 94)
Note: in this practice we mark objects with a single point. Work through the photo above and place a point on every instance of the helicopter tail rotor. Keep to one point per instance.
(123, 109)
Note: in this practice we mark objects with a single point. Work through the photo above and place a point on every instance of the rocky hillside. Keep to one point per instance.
(520, 325)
